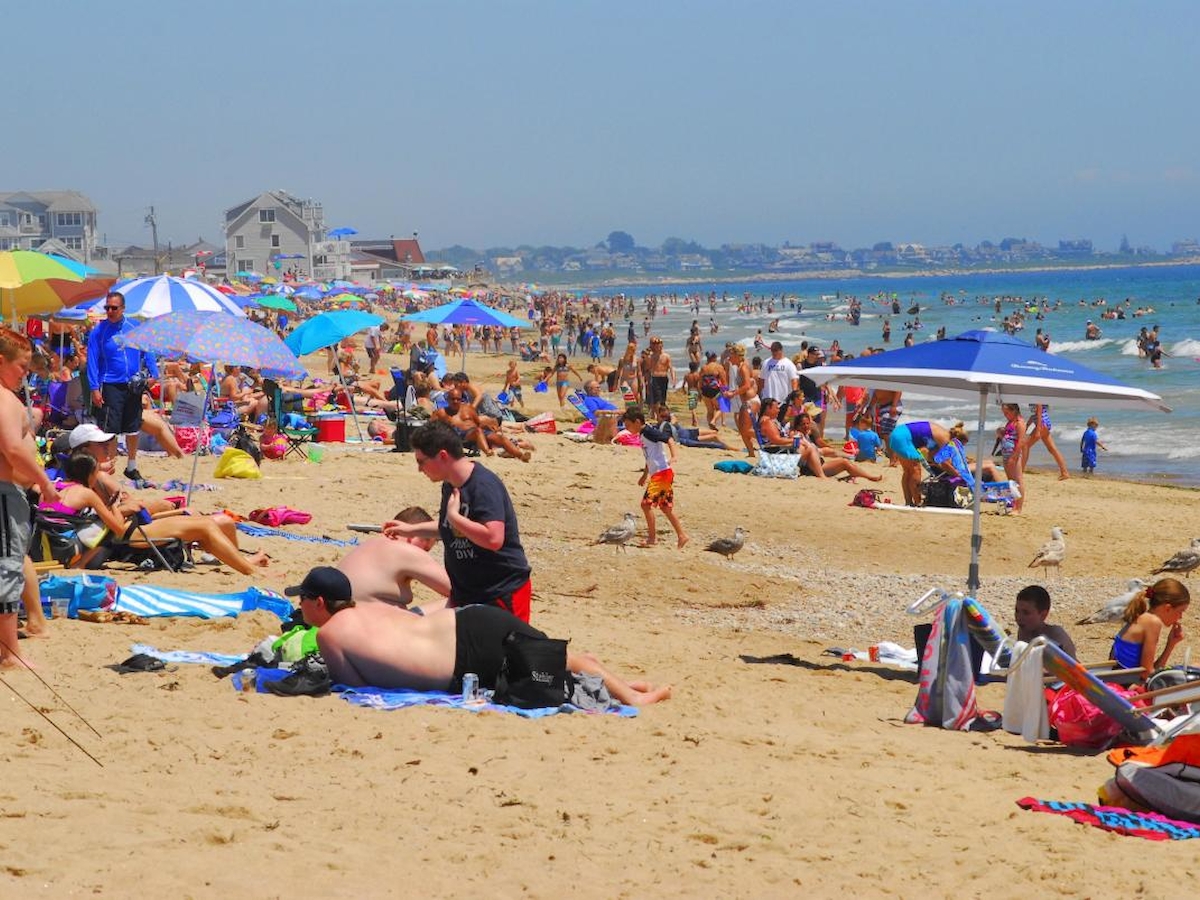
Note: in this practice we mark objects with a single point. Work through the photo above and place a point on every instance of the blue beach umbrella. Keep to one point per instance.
(987, 366)
(309, 292)
(465, 312)
(327, 328)
(147, 298)
(342, 232)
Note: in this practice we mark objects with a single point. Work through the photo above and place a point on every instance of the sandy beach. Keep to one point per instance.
(784, 778)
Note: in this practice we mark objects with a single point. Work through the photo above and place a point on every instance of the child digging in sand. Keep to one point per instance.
(658, 476)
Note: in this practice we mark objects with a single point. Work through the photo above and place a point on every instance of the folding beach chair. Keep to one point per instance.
(1136, 721)
(63, 538)
(296, 435)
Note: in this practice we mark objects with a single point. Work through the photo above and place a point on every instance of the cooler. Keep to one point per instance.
(330, 429)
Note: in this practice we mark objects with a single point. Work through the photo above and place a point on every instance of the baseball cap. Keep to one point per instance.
(88, 434)
(322, 581)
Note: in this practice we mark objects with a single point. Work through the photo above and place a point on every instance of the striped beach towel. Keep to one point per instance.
(147, 600)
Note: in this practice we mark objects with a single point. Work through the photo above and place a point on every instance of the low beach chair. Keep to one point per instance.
(1137, 721)
(296, 436)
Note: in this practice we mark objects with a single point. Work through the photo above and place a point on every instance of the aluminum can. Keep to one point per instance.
(250, 680)
(470, 687)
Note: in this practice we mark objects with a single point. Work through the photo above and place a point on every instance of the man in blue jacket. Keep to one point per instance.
(115, 375)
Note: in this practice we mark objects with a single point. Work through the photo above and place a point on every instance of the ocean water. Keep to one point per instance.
(1144, 445)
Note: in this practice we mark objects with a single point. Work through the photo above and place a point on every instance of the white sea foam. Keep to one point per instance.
(1078, 346)
(1189, 348)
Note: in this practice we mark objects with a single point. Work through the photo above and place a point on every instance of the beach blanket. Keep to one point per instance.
(147, 600)
(380, 698)
(254, 530)
(1150, 826)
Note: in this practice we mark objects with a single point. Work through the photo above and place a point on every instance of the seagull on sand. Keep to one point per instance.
(621, 534)
(1053, 552)
(1114, 609)
(1184, 562)
(728, 546)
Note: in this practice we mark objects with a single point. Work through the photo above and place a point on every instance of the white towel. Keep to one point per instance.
(1024, 700)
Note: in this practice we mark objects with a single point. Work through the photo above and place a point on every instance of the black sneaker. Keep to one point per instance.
(133, 474)
(308, 678)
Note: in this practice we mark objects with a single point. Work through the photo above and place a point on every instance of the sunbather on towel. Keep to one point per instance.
(377, 645)
(384, 568)
(218, 537)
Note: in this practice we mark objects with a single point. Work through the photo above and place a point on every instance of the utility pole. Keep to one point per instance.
(153, 223)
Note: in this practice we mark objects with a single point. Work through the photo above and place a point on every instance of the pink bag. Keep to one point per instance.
(1079, 722)
(190, 437)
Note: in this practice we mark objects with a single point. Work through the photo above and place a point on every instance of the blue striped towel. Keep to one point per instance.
(255, 530)
(147, 600)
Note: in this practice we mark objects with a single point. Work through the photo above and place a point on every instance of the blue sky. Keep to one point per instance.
(504, 123)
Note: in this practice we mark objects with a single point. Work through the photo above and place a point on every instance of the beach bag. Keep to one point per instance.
(733, 467)
(190, 437)
(777, 465)
(242, 441)
(236, 463)
(534, 672)
(80, 592)
(946, 494)
(402, 436)
(1079, 722)
(867, 498)
(542, 423)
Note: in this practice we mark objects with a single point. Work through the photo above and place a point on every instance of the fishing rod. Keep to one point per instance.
(56, 694)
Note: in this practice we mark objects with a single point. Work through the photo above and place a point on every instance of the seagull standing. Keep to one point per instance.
(621, 534)
(1053, 552)
(729, 545)
(1114, 609)
(1184, 562)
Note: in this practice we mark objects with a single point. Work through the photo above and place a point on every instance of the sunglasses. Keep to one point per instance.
(111, 308)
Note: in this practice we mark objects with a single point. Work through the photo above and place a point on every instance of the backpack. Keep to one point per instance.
(945, 493)
(534, 672)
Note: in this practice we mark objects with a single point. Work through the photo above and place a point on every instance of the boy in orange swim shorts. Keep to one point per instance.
(658, 476)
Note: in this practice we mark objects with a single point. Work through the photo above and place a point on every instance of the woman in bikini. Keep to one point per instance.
(742, 393)
(712, 382)
(215, 534)
(1039, 416)
(562, 377)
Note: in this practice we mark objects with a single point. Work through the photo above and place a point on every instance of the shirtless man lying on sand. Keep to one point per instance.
(377, 644)
(384, 569)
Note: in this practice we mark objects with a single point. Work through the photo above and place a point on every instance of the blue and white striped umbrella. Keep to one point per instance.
(148, 298)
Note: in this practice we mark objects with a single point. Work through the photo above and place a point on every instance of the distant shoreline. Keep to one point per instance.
(846, 274)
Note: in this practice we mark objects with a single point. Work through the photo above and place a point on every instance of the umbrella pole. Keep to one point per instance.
(977, 501)
(200, 433)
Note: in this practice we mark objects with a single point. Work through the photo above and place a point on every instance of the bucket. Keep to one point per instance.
(331, 429)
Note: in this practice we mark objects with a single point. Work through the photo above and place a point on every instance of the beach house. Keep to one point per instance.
(275, 232)
(54, 221)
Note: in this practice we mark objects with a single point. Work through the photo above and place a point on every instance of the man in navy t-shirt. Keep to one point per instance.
(477, 524)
